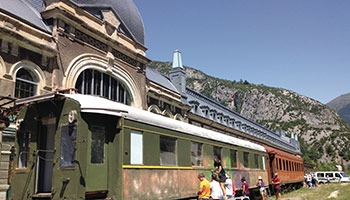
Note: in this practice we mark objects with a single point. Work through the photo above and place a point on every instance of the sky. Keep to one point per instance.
(303, 46)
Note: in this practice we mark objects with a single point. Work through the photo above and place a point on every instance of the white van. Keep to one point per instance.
(334, 176)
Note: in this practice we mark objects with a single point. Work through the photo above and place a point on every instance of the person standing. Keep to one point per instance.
(215, 189)
(222, 175)
(261, 186)
(230, 188)
(308, 180)
(204, 188)
(245, 187)
(276, 183)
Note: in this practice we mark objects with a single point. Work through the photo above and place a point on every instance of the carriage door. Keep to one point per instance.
(97, 158)
(272, 164)
(45, 156)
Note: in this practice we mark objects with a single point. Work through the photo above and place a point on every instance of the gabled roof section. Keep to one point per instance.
(26, 10)
(159, 79)
(125, 10)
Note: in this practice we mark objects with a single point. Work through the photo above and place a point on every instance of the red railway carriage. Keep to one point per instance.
(289, 167)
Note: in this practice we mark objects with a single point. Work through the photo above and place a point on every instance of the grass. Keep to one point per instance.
(319, 193)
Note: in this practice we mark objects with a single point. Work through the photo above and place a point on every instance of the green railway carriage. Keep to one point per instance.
(71, 146)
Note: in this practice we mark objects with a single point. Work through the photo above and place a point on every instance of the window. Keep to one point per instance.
(330, 175)
(256, 160)
(233, 155)
(263, 163)
(337, 175)
(97, 144)
(23, 143)
(168, 151)
(320, 174)
(68, 139)
(94, 82)
(136, 147)
(217, 152)
(196, 154)
(246, 159)
(280, 163)
(284, 165)
(26, 85)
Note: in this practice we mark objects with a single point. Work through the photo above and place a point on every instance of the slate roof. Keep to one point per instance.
(26, 10)
(125, 10)
(159, 79)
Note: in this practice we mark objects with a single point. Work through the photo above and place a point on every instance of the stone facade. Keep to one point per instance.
(55, 45)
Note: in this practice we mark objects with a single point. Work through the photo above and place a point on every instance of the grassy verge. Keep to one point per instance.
(319, 193)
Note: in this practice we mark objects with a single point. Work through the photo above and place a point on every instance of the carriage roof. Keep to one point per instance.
(96, 104)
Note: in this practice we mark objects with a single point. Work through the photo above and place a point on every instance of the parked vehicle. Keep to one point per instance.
(333, 176)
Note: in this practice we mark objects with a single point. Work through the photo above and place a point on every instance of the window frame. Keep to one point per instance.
(138, 150)
(23, 150)
(195, 156)
(215, 148)
(246, 159)
(86, 84)
(91, 147)
(175, 150)
(20, 81)
(233, 152)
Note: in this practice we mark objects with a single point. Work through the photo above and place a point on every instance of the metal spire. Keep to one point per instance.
(177, 61)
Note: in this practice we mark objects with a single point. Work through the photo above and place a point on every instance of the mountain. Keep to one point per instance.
(323, 135)
(341, 104)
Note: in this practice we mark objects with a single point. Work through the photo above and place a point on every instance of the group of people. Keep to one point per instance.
(311, 181)
(222, 187)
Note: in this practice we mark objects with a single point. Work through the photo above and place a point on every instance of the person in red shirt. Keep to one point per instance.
(245, 187)
(276, 183)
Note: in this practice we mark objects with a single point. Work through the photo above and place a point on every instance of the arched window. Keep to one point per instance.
(97, 83)
(26, 84)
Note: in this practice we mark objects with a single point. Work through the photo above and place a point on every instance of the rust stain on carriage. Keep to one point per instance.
(159, 184)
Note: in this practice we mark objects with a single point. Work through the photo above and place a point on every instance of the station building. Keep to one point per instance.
(98, 48)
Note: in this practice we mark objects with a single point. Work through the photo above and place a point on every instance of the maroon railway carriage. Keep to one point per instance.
(289, 167)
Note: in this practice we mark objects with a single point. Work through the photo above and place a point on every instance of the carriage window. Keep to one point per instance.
(263, 163)
(196, 154)
(68, 138)
(217, 153)
(233, 155)
(23, 143)
(97, 83)
(97, 144)
(246, 159)
(136, 147)
(26, 85)
(284, 165)
(167, 151)
(256, 160)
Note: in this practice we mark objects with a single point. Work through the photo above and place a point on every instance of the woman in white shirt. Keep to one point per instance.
(215, 189)
(229, 187)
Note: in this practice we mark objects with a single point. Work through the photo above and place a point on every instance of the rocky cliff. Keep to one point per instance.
(323, 135)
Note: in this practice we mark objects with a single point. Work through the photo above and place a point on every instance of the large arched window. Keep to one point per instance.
(26, 84)
(97, 83)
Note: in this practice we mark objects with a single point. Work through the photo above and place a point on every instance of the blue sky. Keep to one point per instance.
(303, 46)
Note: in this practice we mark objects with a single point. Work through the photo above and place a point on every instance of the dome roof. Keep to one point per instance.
(126, 12)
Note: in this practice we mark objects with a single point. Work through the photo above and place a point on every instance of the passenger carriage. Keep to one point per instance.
(72, 146)
(289, 167)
